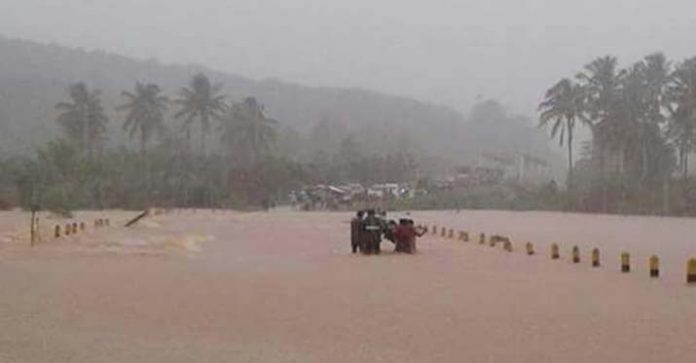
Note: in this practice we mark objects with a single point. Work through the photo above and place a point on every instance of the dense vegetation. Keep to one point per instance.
(85, 129)
(643, 125)
(77, 171)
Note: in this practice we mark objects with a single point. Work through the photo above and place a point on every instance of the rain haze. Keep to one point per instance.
(448, 52)
(347, 181)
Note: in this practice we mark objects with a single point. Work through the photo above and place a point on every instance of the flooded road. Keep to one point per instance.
(283, 287)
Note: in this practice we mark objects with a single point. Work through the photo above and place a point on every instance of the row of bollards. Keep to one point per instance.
(74, 227)
(653, 261)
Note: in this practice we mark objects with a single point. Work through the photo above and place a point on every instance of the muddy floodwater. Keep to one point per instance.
(202, 286)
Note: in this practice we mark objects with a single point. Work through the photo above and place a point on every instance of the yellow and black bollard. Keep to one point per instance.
(555, 254)
(625, 262)
(576, 254)
(56, 232)
(67, 229)
(530, 248)
(507, 246)
(595, 257)
(691, 271)
(654, 264)
(482, 238)
(443, 232)
(74, 228)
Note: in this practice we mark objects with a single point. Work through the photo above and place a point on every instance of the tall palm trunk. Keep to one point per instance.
(148, 171)
(204, 122)
(570, 159)
(685, 165)
(602, 171)
(85, 131)
(644, 157)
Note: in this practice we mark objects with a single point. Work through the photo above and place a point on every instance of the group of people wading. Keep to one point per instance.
(368, 228)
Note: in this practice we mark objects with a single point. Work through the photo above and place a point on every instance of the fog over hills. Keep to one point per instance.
(34, 77)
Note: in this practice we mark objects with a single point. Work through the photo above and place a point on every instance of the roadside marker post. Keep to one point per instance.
(576, 254)
(625, 262)
(691, 271)
(654, 264)
(530, 248)
(595, 257)
(555, 254)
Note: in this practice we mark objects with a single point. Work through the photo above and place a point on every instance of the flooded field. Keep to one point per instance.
(283, 287)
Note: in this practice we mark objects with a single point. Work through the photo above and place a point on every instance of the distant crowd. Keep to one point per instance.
(369, 228)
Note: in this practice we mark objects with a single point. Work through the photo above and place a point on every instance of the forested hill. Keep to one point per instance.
(34, 77)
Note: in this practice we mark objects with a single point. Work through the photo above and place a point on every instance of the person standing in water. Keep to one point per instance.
(356, 231)
(373, 233)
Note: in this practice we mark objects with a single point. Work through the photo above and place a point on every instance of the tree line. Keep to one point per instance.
(642, 121)
(238, 167)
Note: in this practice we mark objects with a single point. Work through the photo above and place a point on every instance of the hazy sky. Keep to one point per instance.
(443, 51)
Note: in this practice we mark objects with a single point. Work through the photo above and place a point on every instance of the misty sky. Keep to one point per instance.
(444, 51)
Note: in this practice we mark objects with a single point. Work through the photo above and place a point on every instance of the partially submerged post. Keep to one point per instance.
(691, 271)
(576, 254)
(654, 264)
(56, 232)
(530, 248)
(507, 246)
(595, 257)
(555, 254)
(625, 262)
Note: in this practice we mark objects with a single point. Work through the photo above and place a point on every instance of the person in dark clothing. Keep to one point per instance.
(373, 233)
(389, 231)
(356, 231)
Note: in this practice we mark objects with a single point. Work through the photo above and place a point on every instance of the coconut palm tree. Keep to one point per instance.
(145, 108)
(561, 107)
(681, 96)
(600, 81)
(200, 101)
(82, 117)
(248, 131)
(655, 70)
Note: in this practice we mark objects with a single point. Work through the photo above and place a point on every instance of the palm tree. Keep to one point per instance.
(562, 105)
(145, 108)
(247, 130)
(681, 96)
(82, 117)
(200, 101)
(600, 81)
(655, 70)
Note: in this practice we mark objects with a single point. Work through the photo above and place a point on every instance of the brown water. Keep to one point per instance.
(282, 287)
